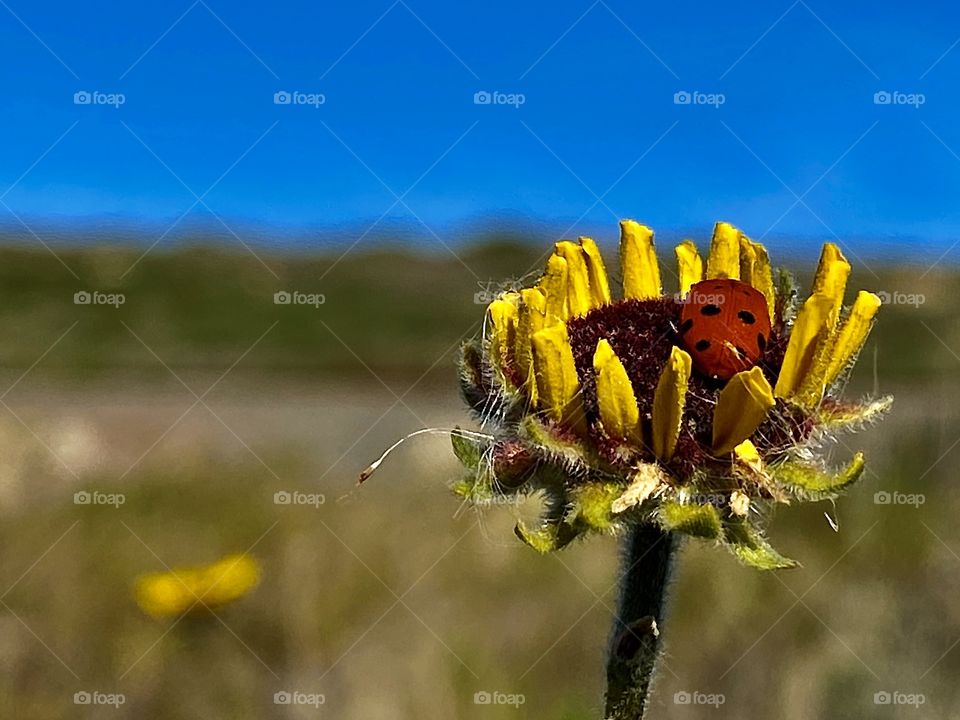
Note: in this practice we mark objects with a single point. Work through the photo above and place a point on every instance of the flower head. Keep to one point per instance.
(694, 411)
(185, 589)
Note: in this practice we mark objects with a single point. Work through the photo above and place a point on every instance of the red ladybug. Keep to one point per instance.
(724, 326)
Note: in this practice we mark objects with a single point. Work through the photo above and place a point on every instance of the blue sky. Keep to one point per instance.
(785, 139)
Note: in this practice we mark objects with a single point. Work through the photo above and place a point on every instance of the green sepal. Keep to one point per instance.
(549, 537)
(566, 452)
(476, 485)
(701, 521)
(752, 549)
(592, 504)
(472, 385)
(555, 531)
(811, 483)
(469, 450)
(836, 416)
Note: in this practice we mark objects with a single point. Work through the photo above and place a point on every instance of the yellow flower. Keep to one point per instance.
(600, 404)
(173, 593)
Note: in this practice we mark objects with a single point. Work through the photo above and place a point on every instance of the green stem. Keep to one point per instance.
(635, 643)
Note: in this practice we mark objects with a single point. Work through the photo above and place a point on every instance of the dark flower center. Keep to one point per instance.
(643, 333)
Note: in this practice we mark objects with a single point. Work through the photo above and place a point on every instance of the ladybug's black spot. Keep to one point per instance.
(702, 345)
(710, 310)
(685, 326)
(747, 317)
(761, 342)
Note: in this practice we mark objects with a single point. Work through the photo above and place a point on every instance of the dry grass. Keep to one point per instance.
(476, 610)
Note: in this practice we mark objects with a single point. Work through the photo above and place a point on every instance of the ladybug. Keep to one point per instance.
(724, 326)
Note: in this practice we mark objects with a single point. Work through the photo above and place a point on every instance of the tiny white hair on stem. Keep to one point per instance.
(372, 467)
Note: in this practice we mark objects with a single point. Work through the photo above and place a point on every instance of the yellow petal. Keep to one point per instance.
(689, 265)
(230, 578)
(853, 334)
(742, 405)
(163, 595)
(638, 262)
(669, 400)
(554, 287)
(724, 258)
(531, 318)
(831, 279)
(503, 315)
(579, 300)
(618, 405)
(748, 454)
(809, 329)
(558, 387)
(599, 285)
(755, 269)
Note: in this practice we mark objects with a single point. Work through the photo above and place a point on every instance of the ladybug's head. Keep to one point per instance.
(725, 326)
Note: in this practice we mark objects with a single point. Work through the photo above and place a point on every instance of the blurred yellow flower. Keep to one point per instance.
(174, 593)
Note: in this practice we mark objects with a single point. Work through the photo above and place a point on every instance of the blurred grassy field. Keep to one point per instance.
(393, 601)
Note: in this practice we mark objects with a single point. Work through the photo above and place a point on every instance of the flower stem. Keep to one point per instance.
(635, 643)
